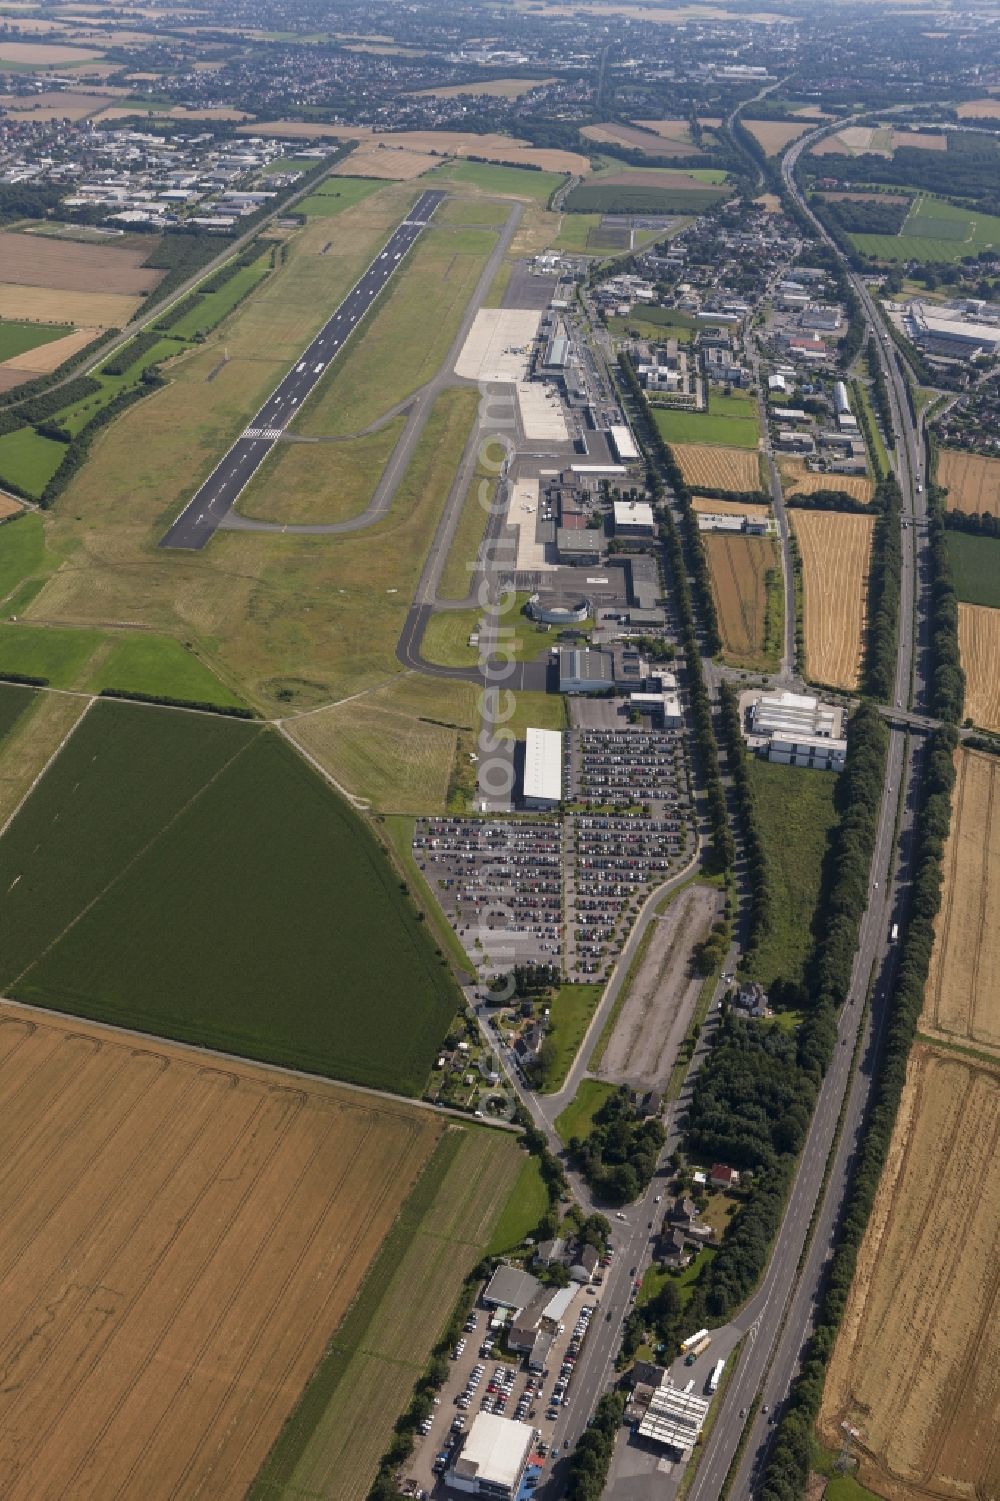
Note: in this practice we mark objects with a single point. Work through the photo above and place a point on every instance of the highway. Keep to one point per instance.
(779, 1318)
(204, 513)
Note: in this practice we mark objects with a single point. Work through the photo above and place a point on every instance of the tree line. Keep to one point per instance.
(590, 1461)
(618, 1158)
(760, 875)
(947, 680)
(789, 1460)
(705, 747)
(25, 393)
(884, 585)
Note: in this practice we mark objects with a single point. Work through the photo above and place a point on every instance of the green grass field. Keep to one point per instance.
(59, 655)
(976, 564)
(511, 182)
(343, 1423)
(14, 699)
(446, 637)
(578, 1117)
(523, 1210)
(457, 574)
(18, 338)
(144, 663)
(934, 230)
(730, 420)
(204, 884)
(212, 307)
(620, 198)
(797, 813)
(334, 194)
(879, 458)
(22, 550)
(571, 1011)
(28, 461)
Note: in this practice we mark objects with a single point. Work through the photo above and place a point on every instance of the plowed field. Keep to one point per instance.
(739, 566)
(915, 1366)
(717, 468)
(73, 266)
(835, 549)
(979, 644)
(972, 481)
(962, 999)
(182, 1236)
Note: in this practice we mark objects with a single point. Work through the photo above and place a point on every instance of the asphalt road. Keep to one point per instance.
(779, 1319)
(202, 515)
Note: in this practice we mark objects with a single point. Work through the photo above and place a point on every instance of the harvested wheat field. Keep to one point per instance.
(979, 648)
(53, 305)
(512, 150)
(183, 1234)
(775, 135)
(652, 142)
(972, 482)
(494, 88)
(835, 548)
(45, 54)
(677, 130)
(979, 109)
(797, 479)
(739, 567)
(706, 504)
(48, 357)
(384, 161)
(916, 1366)
(76, 266)
(9, 506)
(962, 998)
(716, 467)
(68, 104)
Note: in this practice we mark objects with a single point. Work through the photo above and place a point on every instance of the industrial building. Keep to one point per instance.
(493, 1458)
(954, 332)
(674, 1419)
(582, 670)
(634, 518)
(543, 769)
(579, 546)
(796, 729)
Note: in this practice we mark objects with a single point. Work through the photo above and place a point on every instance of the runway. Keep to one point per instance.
(205, 512)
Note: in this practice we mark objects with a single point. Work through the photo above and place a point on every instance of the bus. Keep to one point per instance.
(692, 1340)
(712, 1385)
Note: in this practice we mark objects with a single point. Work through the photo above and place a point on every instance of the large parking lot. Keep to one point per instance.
(628, 768)
(500, 883)
(613, 863)
(482, 1380)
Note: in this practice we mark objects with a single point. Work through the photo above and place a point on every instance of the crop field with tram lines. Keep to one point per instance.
(739, 567)
(972, 481)
(186, 1234)
(979, 645)
(962, 998)
(715, 467)
(835, 548)
(914, 1369)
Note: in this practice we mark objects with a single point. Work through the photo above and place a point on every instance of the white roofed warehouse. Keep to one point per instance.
(543, 756)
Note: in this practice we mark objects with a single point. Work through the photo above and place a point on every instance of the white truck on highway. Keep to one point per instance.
(712, 1384)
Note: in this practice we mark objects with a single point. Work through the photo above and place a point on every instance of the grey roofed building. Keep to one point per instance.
(509, 1287)
(548, 1251)
(585, 1263)
(585, 671)
(645, 1373)
(579, 544)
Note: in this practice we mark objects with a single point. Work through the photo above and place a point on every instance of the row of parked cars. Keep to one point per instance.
(560, 1391)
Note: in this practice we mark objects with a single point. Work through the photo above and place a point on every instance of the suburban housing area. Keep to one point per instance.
(499, 722)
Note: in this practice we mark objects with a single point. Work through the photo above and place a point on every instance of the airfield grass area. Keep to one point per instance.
(31, 741)
(729, 420)
(248, 1207)
(975, 563)
(797, 812)
(448, 633)
(344, 1422)
(204, 884)
(394, 746)
(18, 338)
(399, 346)
(934, 230)
(509, 182)
(302, 483)
(22, 551)
(334, 194)
(28, 461)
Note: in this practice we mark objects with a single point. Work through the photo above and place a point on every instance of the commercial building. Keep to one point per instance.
(634, 518)
(493, 1459)
(623, 444)
(582, 670)
(543, 769)
(796, 729)
(579, 546)
(511, 1288)
(954, 332)
(674, 1419)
